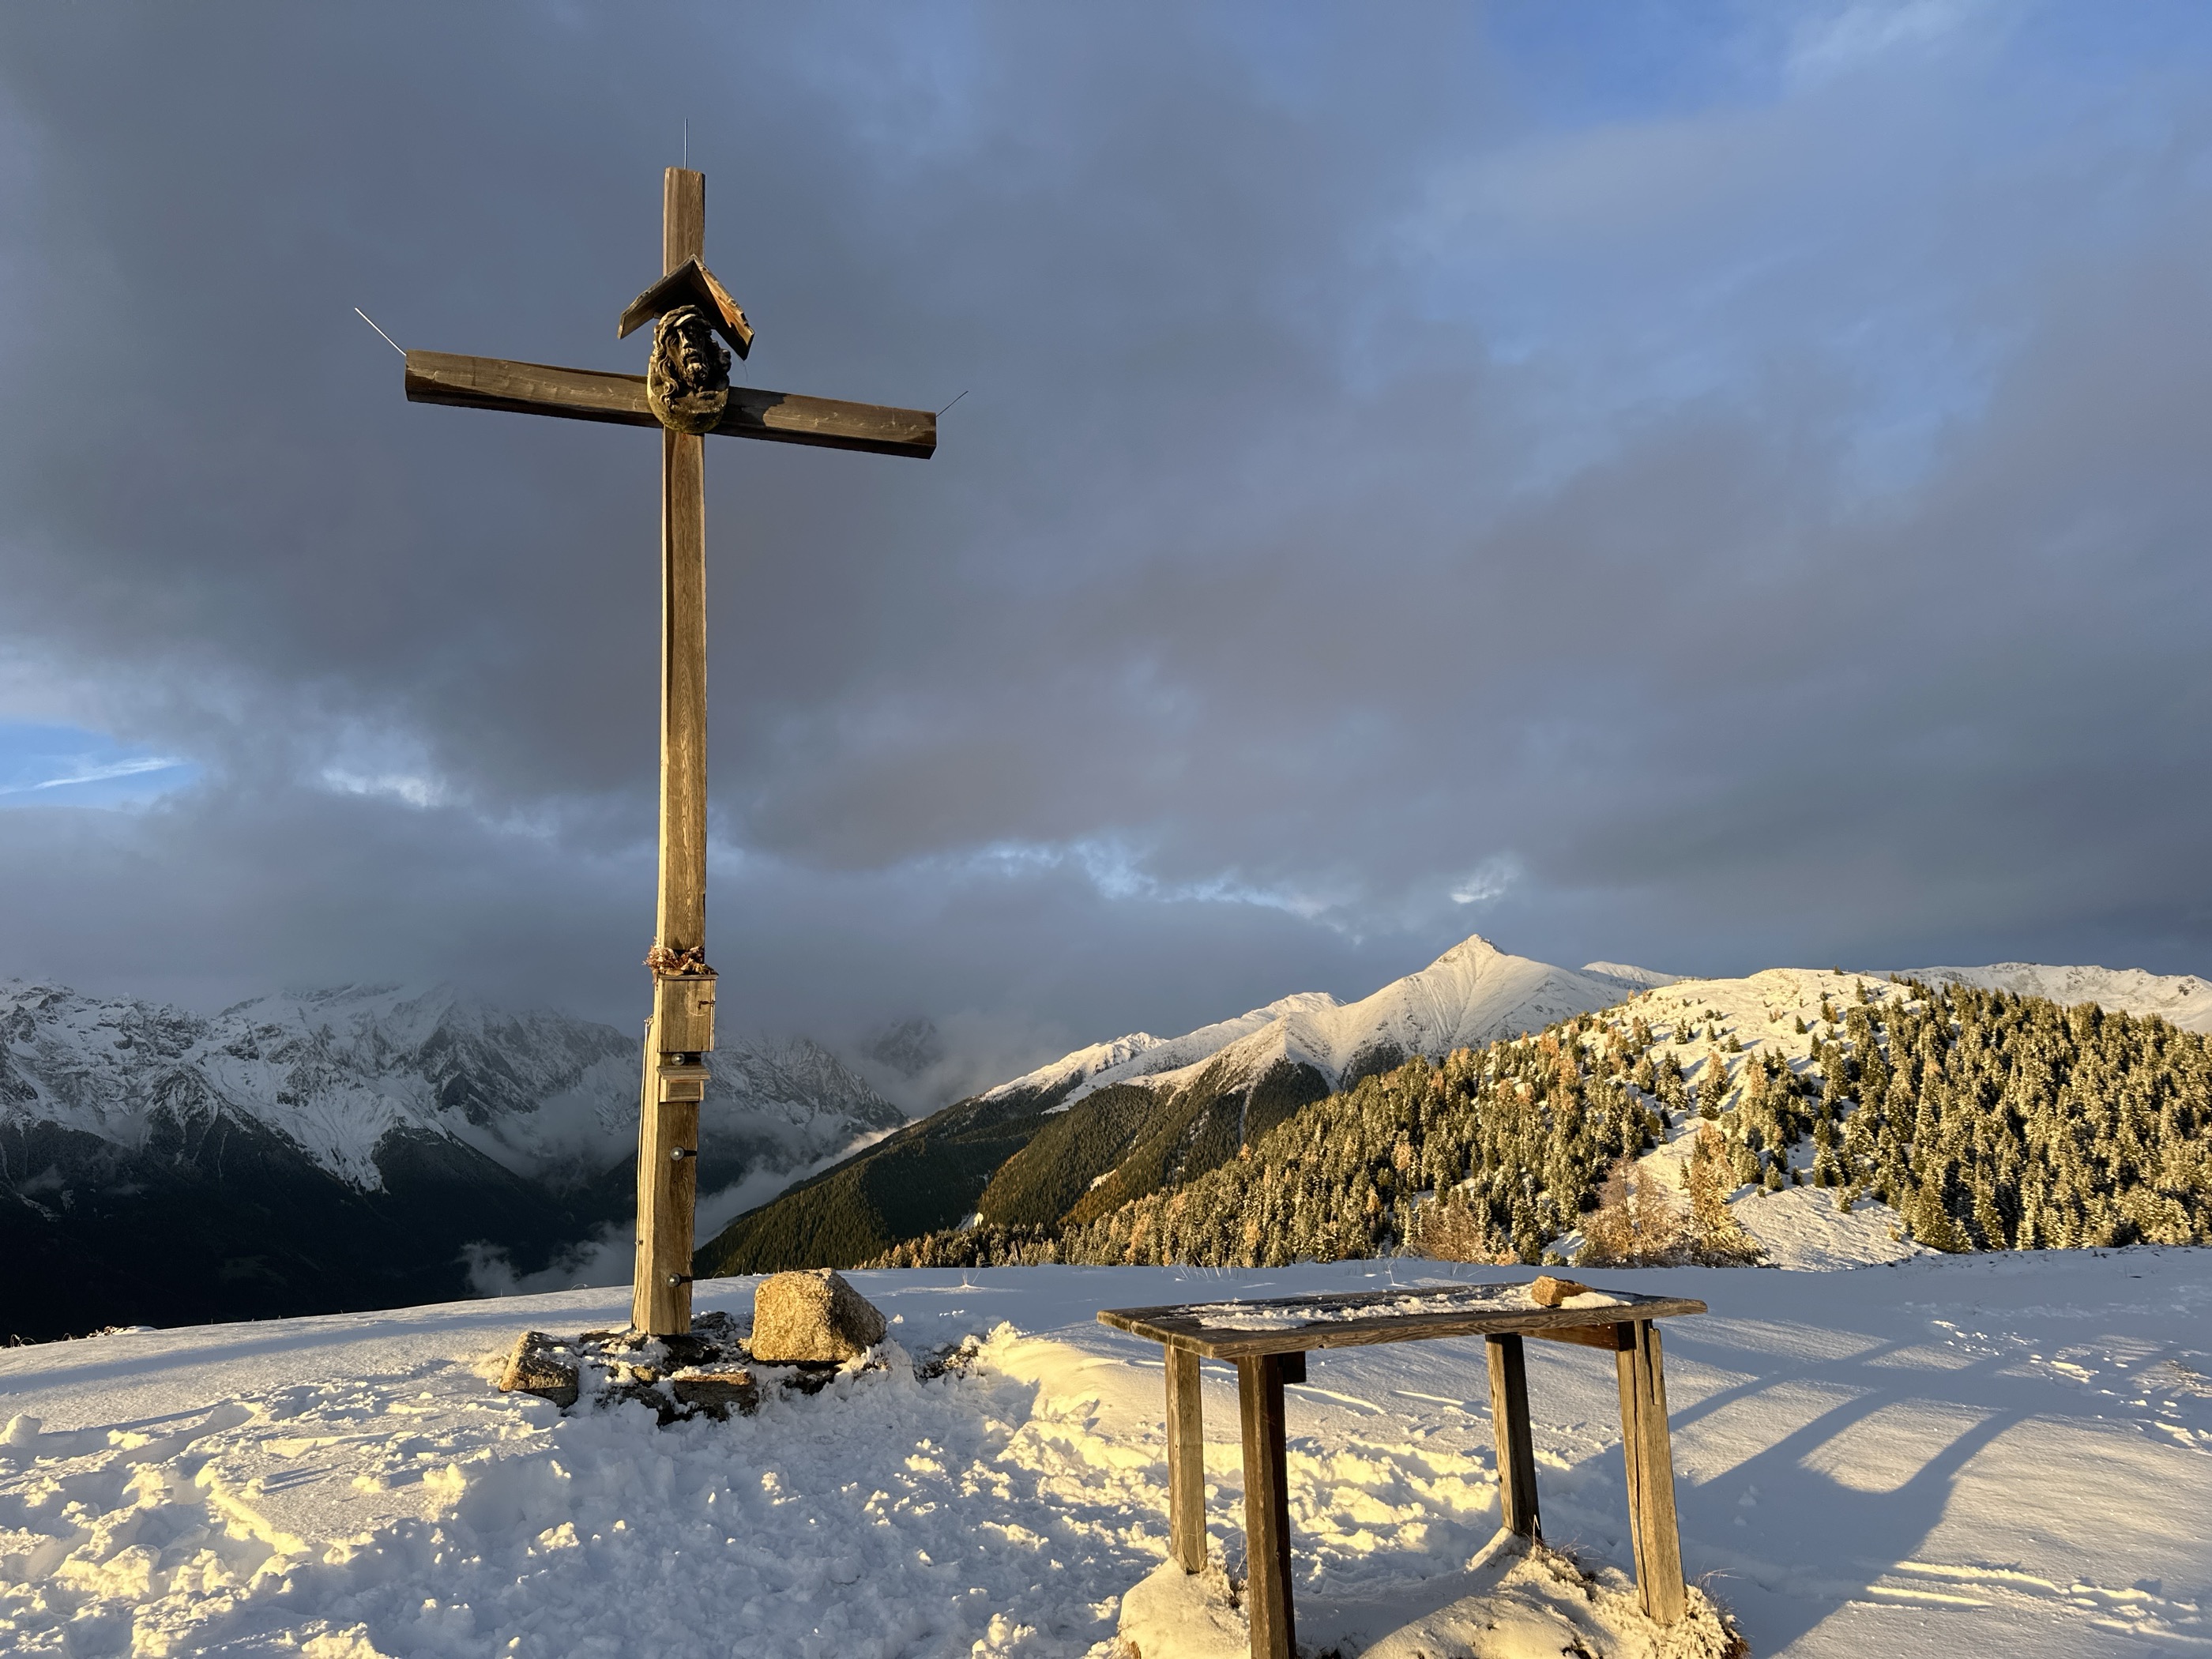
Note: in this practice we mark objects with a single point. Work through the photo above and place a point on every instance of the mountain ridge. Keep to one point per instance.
(2180, 1000)
(1469, 995)
(315, 1151)
(1102, 1122)
(336, 1071)
(1069, 1141)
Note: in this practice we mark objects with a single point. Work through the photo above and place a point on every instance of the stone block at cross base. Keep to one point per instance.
(539, 1366)
(812, 1317)
(716, 1391)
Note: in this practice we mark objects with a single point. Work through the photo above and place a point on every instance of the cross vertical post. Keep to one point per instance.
(681, 1033)
(687, 396)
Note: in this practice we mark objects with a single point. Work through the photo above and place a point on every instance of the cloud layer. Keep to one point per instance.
(1708, 493)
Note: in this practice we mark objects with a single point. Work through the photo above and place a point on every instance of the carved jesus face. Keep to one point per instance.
(687, 384)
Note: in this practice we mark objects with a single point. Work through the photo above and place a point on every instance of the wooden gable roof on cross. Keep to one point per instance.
(691, 285)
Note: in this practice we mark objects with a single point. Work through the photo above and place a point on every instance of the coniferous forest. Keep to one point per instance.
(1985, 1120)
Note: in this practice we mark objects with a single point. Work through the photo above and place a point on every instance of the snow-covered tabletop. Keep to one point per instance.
(1294, 1324)
(1268, 1341)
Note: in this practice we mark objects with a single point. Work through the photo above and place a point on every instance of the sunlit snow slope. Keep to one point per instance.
(2181, 999)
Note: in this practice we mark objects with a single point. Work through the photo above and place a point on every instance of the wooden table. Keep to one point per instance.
(1267, 1341)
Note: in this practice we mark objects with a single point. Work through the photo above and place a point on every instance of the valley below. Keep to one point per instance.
(366, 1147)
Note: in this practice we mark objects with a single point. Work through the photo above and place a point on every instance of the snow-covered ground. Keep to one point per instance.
(1944, 1455)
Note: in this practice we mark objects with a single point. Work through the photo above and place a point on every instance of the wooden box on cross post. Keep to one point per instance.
(679, 1080)
(683, 1013)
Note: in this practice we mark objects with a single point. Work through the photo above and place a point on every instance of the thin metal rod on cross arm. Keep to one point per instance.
(402, 349)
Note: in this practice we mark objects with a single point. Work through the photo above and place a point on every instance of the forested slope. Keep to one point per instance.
(1988, 1120)
(1109, 1123)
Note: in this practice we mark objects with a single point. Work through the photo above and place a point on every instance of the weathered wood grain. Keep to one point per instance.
(1651, 1472)
(590, 394)
(667, 1164)
(1178, 1327)
(577, 394)
(683, 216)
(1508, 1419)
(680, 924)
(667, 1193)
(690, 283)
(683, 1008)
(1606, 1337)
(1260, 1379)
(786, 417)
(1186, 1464)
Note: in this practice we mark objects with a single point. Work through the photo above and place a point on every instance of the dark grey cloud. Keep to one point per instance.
(1710, 494)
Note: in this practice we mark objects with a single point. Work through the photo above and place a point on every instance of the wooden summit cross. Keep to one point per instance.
(688, 395)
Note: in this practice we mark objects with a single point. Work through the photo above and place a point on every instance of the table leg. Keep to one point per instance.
(1650, 1463)
(1186, 1464)
(1516, 1452)
(1268, 1500)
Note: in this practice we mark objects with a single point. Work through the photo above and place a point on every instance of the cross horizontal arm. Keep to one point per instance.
(586, 394)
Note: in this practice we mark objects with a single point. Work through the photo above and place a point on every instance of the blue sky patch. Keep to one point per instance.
(69, 766)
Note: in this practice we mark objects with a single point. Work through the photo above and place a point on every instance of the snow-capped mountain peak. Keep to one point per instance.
(1470, 993)
(1635, 979)
(1141, 1054)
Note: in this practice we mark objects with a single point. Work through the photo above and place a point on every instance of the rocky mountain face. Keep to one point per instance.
(340, 1149)
(1118, 1119)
